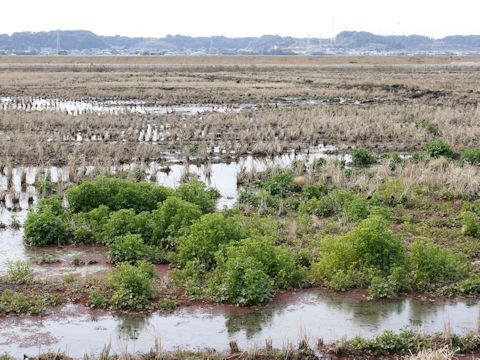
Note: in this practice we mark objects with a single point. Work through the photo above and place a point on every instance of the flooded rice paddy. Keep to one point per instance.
(116, 107)
(78, 330)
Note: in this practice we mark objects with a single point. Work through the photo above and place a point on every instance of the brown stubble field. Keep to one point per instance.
(360, 101)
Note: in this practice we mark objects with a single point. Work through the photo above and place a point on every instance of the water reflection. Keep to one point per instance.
(249, 323)
(195, 327)
(130, 327)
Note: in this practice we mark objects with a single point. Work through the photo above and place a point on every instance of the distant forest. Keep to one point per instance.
(352, 40)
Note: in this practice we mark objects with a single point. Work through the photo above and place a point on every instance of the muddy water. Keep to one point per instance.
(79, 107)
(19, 194)
(77, 330)
(18, 191)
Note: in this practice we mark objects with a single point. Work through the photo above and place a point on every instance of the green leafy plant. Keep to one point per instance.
(470, 223)
(196, 192)
(48, 223)
(432, 265)
(45, 187)
(124, 222)
(96, 299)
(129, 248)
(203, 238)
(89, 226)
(362, 157)
(471, 156)
(116, 194)
(439, 148)
(368, 247)
(248, 272)
(19, 271)
(172, 216)
(314, 191)
(132, 285)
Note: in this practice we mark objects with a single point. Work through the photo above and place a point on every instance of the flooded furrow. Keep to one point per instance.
(78, 330)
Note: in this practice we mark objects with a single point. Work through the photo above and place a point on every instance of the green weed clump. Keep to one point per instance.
(406, 341)
(314, 191)
(45, 188)
(471, 156)
(116, 194)
(470, 223)
(129, 248)
(132, 285)
(439, 148)
(330, 204)
(351, 260)
(17, 303)
(363, 157)
(19, 271)
(48, 223)
(124, 222)
(431, 265)
(248, 272)
(172, 216)
(196, 192)
(89, 226)
(204, 237)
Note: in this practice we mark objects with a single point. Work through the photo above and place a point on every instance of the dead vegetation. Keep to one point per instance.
(374, 108)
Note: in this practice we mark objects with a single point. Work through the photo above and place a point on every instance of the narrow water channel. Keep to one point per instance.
(79, 330)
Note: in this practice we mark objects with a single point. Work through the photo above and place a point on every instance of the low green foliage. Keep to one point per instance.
(248, 272)
(96, 299)
(471, 156)
(116, 194)
(470, 223)
(132, 285)
(280, 184)
(470, 286)
(196, 192)
(432, 265)
(124, 222)
(166, 305)
(69, 278)
(363, 157)
(357, 209)
(129, 248)
(17, 303)
(390, 286)
(418, 157)
(318, 163)
(45, 188)
(330, 204)
(203, 238)
(439, 148)
(314, 191)
(172, 216)
(19, 271)
(48, 224)
(89, 226)
(368, 247)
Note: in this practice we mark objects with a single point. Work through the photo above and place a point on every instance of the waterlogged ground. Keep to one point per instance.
(79, 330)
(79, 107)
(17, 185)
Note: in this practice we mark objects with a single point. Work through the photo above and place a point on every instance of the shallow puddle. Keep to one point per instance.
(78, 107)
(79, 330)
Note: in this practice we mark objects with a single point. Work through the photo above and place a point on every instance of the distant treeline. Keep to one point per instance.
(85, 40)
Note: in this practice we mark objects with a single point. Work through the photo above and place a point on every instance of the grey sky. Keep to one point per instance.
(298, 18)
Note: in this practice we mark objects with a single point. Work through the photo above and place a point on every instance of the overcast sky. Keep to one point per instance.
(299, 18)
